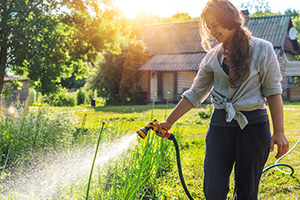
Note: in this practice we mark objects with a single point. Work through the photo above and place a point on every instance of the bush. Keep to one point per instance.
(62, 98)
(80, 97)
(206, 113)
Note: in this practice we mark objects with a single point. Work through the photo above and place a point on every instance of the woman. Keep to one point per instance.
(240, 73)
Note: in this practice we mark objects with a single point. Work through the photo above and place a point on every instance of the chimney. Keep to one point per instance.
(245, 13)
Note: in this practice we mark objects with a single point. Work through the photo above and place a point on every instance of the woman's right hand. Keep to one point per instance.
(164, 124)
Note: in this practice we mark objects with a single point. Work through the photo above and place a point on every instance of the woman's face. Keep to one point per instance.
(217, 31)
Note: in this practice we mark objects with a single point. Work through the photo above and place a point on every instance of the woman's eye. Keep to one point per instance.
(215, 26)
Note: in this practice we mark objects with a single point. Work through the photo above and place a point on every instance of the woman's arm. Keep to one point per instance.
(182, 107)
(278, 138)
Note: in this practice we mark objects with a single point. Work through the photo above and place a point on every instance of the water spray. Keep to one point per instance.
(142, 132)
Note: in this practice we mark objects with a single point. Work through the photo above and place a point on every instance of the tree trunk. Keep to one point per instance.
(3, 59)
(3, 44)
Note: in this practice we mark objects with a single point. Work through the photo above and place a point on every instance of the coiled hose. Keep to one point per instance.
(276, 165)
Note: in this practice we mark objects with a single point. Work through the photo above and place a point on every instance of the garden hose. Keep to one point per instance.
(142, 132)
(276, 165)
(180, 170)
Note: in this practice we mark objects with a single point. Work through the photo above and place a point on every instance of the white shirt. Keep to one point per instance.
(264, 80)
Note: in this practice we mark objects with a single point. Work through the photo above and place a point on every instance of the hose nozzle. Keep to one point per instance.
(142, 132)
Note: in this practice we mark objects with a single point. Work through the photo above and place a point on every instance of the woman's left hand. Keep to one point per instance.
(282, 144)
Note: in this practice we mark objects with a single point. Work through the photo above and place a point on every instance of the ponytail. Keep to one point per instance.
(239, 57)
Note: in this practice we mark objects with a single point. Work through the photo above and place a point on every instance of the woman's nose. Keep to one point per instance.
(213, 32)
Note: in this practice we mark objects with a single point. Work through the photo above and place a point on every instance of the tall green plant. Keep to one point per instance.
(23, 133)
(80, 97)
(95, 156)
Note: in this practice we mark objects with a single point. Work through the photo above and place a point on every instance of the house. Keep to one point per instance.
(16, 95)
(176, 53)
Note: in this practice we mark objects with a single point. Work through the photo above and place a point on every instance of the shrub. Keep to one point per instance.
(206, 113)
(81, 97)
(62, 98)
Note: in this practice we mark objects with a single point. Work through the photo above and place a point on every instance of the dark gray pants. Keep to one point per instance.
(246, 149)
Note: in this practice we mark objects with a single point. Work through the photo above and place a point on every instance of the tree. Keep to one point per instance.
(146, 18)
(259, 8)
(49, 39)
(116, 76)
(181, 17)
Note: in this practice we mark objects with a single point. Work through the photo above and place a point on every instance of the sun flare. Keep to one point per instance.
(131, 8)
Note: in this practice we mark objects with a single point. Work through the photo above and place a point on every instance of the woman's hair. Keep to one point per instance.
(239, 52)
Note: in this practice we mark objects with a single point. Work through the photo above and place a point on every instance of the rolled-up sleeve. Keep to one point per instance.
(270, 73)
(201, 87)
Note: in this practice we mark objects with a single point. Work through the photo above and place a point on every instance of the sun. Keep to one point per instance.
(131, 8)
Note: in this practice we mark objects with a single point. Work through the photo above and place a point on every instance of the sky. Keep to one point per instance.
(166, 8)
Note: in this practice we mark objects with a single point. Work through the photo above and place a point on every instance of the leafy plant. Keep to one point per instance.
(206, 113)
(24, 132)
(80, 97)
(62, 98)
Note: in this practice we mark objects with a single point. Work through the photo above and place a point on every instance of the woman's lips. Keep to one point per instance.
(217, 36)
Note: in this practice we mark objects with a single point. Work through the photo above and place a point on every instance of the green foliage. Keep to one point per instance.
(72, 82)
(181, 17)
(147, 18)
(24, 133)
(49, 40)
(12, 85)
(62, 98)
(6, 91)
(297, 81)
(80, 97)
(257, 7)
(206, 112)
(15, 84)
(116, 76)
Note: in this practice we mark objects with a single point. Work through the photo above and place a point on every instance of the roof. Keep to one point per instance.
(180, 62)
(13, 77)
(172, 38)
(292, 68)
(167, 41)
(271, 28)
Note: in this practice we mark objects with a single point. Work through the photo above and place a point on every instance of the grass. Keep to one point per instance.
(148, 171)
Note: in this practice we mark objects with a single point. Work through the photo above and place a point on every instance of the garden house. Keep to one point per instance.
(20, 95)
(176, 53)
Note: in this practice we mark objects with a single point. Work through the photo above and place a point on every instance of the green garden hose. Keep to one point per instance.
(276, 165)
(180, 170)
